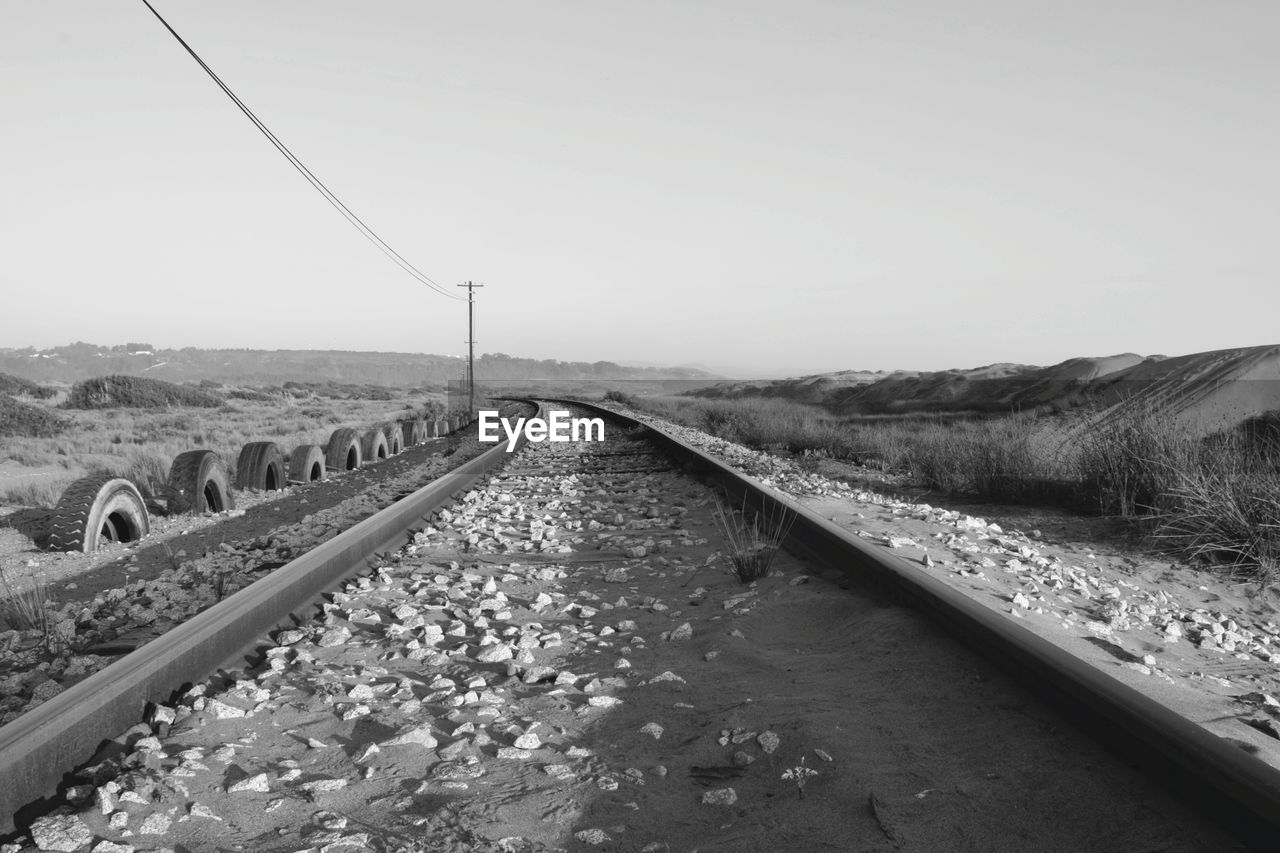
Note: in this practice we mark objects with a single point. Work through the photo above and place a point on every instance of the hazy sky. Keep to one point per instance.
(767, 187)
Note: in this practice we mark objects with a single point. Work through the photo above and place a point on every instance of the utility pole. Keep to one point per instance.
(471, 344)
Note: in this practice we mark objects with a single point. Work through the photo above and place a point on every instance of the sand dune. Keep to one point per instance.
(1206, 391)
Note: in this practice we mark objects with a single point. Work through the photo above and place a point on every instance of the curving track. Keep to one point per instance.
(1235, 790)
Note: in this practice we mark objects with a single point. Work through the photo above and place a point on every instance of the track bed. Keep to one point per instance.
(560, 661)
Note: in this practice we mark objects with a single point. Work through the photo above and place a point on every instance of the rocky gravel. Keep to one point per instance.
(113, 601)
(561, 661)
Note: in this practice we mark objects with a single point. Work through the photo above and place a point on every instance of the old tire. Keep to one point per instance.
(373, 446)
(344, 451)
(260, 466)
(95, 511)
(307, 464)
(198, 483)
(394, 434)
(413, 432)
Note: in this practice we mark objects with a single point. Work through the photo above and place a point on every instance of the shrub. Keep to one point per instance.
(135, 392)
(25, 420)
(26, 609)
(1223, 506)
(620, 398)
(24, 387)
(252, 394)
(752, 537)
(1128, 458)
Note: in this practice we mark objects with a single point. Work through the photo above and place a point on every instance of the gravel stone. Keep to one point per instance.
(528, 740)
(420, 735)
(256, 782)
(155, 824)
(768, 741)
(720, 797)
(592, 836)
(60, 832)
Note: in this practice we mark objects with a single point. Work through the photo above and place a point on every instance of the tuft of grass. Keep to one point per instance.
(26, 608)
(753, 538)
(44, 492)
(1129, 458)
(1224, 508)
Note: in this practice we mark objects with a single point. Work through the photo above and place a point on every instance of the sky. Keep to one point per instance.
(762, 188)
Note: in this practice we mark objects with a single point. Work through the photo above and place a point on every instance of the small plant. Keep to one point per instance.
(26, 609)
(175, 561)
(619, 397)
(753, 544)
(800, 775)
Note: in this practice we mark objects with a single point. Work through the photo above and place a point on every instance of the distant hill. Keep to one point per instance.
(1208, 390)
(79, 361)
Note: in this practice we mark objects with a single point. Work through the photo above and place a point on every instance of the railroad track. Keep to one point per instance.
(1233, 789)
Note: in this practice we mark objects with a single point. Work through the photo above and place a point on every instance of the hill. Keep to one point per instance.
(79, 361)
(1208, 390)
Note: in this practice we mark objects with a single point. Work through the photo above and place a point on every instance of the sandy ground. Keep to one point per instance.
(1195, 640)
(522, 678)
(1230, 690)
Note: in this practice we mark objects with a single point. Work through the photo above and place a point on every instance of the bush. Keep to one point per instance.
(620, 398)
(135, 392)
(251, 394)
(18, 419)
(24, 387)
(1129, 458)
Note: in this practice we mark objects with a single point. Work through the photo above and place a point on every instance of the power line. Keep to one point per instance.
(328, 194)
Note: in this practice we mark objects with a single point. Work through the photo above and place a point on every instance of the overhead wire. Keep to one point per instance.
(329, 196)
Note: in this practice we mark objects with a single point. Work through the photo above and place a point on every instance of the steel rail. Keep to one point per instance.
(39, 748)
(1223, 782)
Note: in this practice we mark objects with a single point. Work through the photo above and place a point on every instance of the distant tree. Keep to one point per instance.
(135, 347)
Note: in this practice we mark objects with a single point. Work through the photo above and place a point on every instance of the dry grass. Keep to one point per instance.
(141, 443)
(1216, 499)
(25, 608)
(1222, 504)
(753, 537)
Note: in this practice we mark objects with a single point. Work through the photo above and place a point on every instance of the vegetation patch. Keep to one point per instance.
(16, 385)
(339, 391)
(255, 394)
(1215, 499)
(136, 392)
(19, 419)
